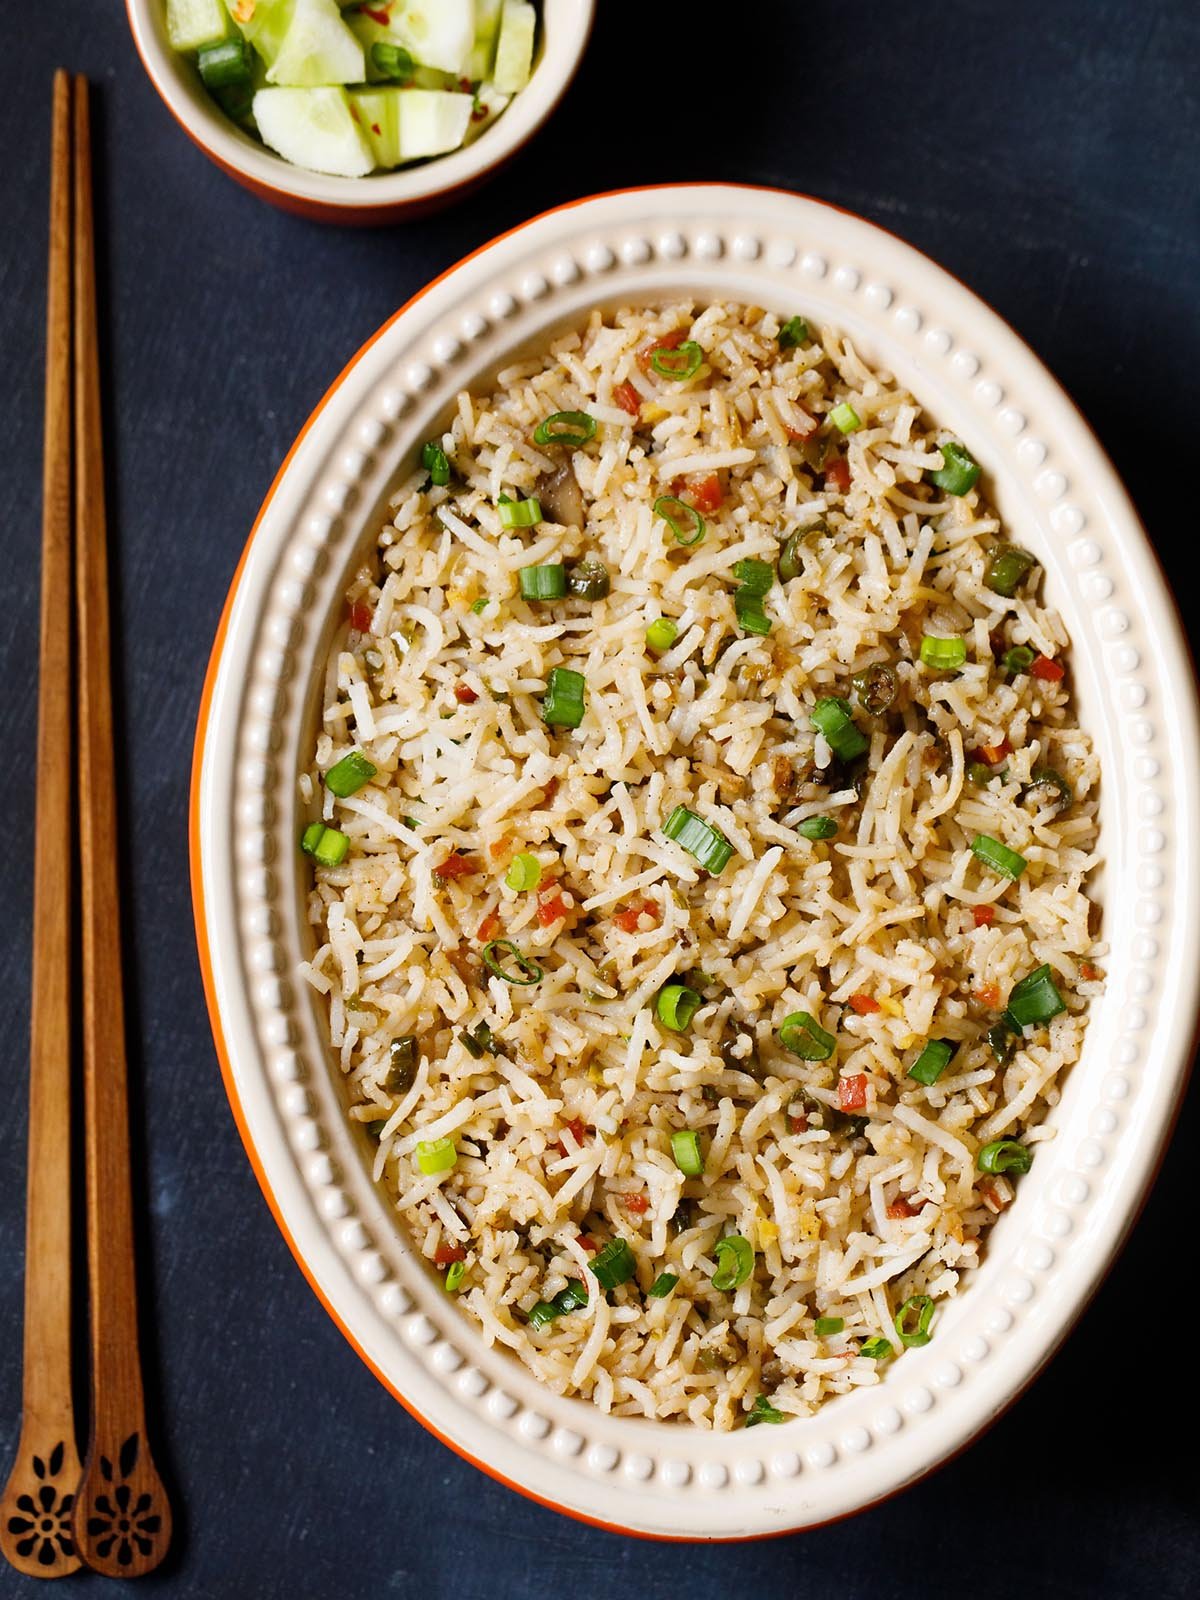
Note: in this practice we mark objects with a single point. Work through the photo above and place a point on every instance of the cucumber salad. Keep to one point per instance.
(354, 88)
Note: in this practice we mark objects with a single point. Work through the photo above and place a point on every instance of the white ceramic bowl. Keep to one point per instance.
(1136, 691)
(383, 196)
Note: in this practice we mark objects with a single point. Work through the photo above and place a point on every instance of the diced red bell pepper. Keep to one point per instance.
(809, 427)
(577, 1128)
(900, 1208)
(489, 927)
(628, 398)
(585, 1243)
(456, 866)
(798, 1121)
(669, 341)
(377, 14)
(360, 616)
(984, 916)
(464, 694)
(1089, 973)
(837, 475)
(993, 754)
(446, 1253)
(637, 1203)
(988, 994)
(551, 910)
(1047, 670)
(628, 919)
(864, 1004)
(703, 492)
(852, 1092)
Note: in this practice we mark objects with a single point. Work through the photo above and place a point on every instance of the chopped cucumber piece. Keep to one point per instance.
(483, 51)
(264, 22)
(377, 112)
(315, 129)
(489, 103)
(317, 49)
(432, 121)
(439, 33)
(514, 52)
(369, 31)
(196, 24)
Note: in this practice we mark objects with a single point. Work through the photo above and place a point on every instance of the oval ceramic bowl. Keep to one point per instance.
(1136, 693)
(383, 196)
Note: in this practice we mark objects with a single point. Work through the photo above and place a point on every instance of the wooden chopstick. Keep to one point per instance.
(35, 1507)
(122, 1517)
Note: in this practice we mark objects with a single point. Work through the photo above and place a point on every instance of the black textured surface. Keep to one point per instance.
(1047, 154)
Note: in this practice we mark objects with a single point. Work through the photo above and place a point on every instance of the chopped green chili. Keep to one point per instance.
(565, 427)
(1048, 787)
(790, 564)
(589, 581)
(1006, 567)
(684, 521)
(393, 62)
(913, 1319)
(1001, 1042)
(817, 828)
(875, 688)
(800, 1034)
(682, 362)
(402, 1065)
(528, 972)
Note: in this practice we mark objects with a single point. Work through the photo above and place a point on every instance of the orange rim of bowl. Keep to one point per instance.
(205, 954)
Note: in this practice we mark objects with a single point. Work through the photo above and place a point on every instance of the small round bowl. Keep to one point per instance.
(380, 197)
(1130, 669)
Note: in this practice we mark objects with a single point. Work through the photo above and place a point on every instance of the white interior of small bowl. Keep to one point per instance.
(1056, 494)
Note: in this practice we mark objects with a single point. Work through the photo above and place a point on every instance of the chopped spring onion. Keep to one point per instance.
(800, 1034)
(433, 459)
(754, 575)
(392, 61)
(845, 419)
(543, 583)
(980, 774)
(481, 605)
(735, 1261)
(662, 1285)
(1017, 660)
(454, 1276)
(573, 1298)
(763, 1411)
(945, 655)
(684, 521)
(998, 856)
(347, 776)
(1006, 567)
(402, 1065)
(1048, 787)
(834, 719)
(542, 1314)
(478, 1041)
(1034, 999)
(565, 427)
(817, 828)
(959, 471)
(225, 65)
(754, 580)
(519, 513)
(824, 1326)
(436, 1155)
(789, 561)
(614, 1265)
(913, 1319)
(562, 706)
(793, 332)
(875, 688)
(686, 1152)
(328, 846)
(528, 972)
(589, 581)
(701, 841)
(875, 1349)
(932, 1062)
(676, 1006)
(525, 872)
(661, 635)
(683, 362)
(1004, 1155)
(1001, 1043)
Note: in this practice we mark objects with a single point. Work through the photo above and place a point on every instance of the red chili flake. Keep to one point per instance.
(360, 616)
(1089, 973)
(584, 1243)
(489, 927)
(377, 14)
(456, 866)
(837, 474)
(901, 1208)
(375, 129)
(864, 1004)
(798, 1121)
(478, 112)
(988, 994)
(446, 1253)
(852, 1092)
(465, 85)
(984, 916)
(637, 1203)
(628, 398)
(993, 754)
(577, 1128)
(669, 341)
(628, 919)
(551, 910)
(464, 694)
(1047, 670)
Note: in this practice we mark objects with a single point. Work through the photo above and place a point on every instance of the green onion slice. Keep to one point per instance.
(755, 576)
(845, 419)
(542, 1314)
(661, 635)
(684, 521)
(528, 972)
(700, 839)
(433, 459)
(824, 1326)
(876, 1349)
(454, 1276)
(573, 1298)
(562, 706)
(932, 1062)
(790, 564)
(565, 427)
(436, 1155)
(763, 1411)
(913, 1319)
(800, 1034)
(686, 1152)
(392, 61)
(327, 846)
(1004, 1155)
(1017, 660)
(1035, 999)
(481, 604)
(1001, 1042)
(959, 470)
(683, 362)
(735, 1261)
(519, 513)
(998, 856)
(402, 1064)
(613, 1265)
(754, 579)
(347, 776)
(944, 655)
(817, 828)
(225, 65)
(524, 872)
(793, 332)
(1048, 787)
(676, 1006)
(662, 1285)
(980, 774)
(543, 583)
(1007, 565)
(834, 719)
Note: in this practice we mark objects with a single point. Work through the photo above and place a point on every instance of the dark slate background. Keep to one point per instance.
(1049, 155)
